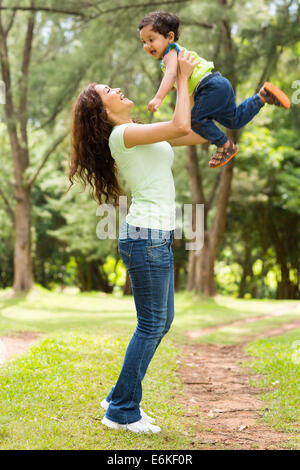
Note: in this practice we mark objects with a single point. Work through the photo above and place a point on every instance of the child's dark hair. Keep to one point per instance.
(162, 22)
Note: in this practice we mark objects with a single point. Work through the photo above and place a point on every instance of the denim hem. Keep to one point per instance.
(220, 142)
(128, 421)
(258, 101)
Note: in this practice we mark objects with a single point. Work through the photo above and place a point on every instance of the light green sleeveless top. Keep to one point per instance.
(147, 171)
(202, 69)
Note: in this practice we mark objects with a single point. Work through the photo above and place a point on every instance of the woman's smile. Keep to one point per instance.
(111, 96)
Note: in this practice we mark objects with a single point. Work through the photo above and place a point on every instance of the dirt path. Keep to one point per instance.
(17, 344)
(217, 386)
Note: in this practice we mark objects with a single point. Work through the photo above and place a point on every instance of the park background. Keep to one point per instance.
(58, 279)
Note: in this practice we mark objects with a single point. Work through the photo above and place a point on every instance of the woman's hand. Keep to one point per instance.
(186, 63)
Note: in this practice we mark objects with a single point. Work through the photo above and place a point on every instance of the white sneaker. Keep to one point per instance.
(138, 427)
(105, 405)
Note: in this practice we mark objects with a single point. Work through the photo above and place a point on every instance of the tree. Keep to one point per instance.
(230, 55)
(16, 115)
(21, 107)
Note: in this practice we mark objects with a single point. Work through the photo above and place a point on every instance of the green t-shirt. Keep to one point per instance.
(203, 68)
(147, 171)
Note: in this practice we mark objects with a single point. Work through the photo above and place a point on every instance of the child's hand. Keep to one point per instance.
(154, 104)
(186, 63)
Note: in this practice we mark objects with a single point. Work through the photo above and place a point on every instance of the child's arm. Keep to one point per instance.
(167, 82)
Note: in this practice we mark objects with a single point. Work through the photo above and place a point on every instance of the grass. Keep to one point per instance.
(225, 310)
(49, 397)
(278, 361)
(234, 334)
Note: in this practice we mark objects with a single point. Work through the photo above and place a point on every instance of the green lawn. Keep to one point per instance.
(49, 397)
(278, 360)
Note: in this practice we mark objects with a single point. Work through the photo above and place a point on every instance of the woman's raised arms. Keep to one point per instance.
(142, 134)
(189, 139)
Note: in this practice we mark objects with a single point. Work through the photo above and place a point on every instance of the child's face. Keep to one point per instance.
(155, 44)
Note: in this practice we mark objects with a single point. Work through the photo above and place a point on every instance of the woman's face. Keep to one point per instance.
(113, 99)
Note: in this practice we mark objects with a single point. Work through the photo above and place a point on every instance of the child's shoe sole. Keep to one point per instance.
(281, 97)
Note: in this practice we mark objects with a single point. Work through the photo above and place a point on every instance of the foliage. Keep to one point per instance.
(81, 42)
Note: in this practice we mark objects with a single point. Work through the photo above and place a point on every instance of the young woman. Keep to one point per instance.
(106, 140)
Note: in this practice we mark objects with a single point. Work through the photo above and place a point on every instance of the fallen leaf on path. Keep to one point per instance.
(243, 427)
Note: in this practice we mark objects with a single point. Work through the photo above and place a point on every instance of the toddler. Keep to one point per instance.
(213, 94)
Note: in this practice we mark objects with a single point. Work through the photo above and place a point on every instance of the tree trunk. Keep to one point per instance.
(16, 118)
(23, 280)
(285, 288)
(191, 271)
(247, 271)
(204, 275)
(201, 263)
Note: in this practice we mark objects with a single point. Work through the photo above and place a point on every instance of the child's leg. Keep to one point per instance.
(211, 99)
(235, 117)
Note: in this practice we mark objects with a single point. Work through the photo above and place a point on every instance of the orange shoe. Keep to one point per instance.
(272, 95)
(221, 157)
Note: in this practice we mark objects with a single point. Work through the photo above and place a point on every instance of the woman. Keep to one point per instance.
(106, 140)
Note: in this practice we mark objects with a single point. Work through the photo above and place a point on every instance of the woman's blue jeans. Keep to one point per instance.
(147, 255)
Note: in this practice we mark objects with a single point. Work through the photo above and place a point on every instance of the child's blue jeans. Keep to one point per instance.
(215, 100)
(150, 265)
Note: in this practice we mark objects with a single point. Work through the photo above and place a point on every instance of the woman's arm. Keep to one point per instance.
(142, 134)
(189, 139)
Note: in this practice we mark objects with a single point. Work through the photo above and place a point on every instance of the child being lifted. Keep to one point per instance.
(213, 95)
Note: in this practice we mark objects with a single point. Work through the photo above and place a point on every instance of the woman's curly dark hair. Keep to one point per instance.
(90, 159)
